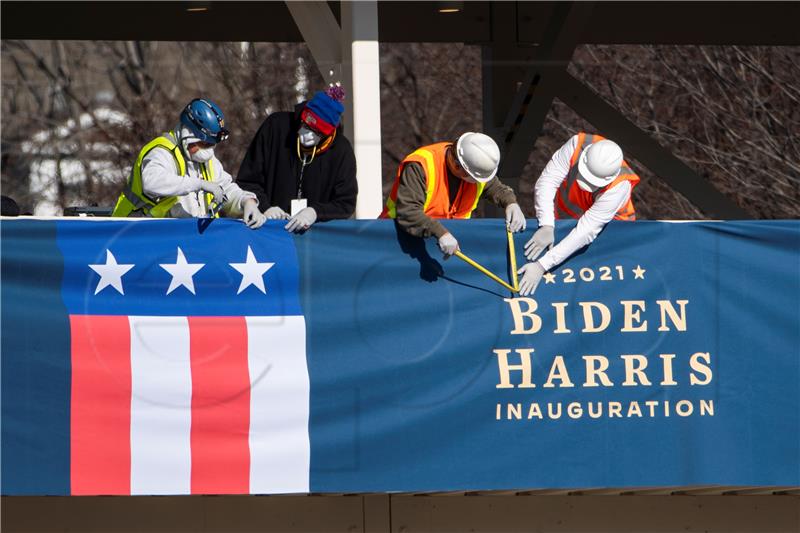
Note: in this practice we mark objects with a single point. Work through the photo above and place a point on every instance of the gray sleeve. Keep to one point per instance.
(411, 202)
(499, 193)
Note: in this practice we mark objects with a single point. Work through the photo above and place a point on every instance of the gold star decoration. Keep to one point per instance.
(638, 272)
(549, 278)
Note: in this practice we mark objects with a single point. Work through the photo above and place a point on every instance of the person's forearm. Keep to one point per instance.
(174, 186)
(589, 225)
(342, 202)
(341, 208)
(417, 223)
(499, 193)
(236, 199)
(256, 187)
(579, 237)
(545, 202)
(234, 194)
(550, 180)
(159, 181)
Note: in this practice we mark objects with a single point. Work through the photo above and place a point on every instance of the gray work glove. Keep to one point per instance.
(252, 216)
(276, 213)
(214, 189)
(531, 276)
(515, 220)
(543, 238)
(302, 220)
(448, 245)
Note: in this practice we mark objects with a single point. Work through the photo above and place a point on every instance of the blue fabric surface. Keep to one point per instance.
(402, 349)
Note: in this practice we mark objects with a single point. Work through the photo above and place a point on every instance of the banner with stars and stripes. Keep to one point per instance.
(158, 357)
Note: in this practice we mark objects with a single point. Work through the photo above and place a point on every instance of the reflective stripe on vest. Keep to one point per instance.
(132, 199)
(572, 201)
(437, 196)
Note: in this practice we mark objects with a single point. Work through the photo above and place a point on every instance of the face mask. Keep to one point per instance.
(307, 137)
(203, 155)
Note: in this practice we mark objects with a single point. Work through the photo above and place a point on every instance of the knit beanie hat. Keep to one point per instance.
(323, 112)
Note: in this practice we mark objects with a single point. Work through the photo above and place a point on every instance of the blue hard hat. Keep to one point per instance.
(205, 120)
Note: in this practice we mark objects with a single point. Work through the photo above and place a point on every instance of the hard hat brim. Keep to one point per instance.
(596, 181)
(480, 179)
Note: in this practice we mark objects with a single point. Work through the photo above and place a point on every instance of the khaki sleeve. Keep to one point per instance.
(411, 202)
(499, 193)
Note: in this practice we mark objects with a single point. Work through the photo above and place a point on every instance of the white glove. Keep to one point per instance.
(515, 219)
(543, 238)
(214, 189)
(302, 220)
(252, 216)
(531, 276)
(276, 213)
(448, 244)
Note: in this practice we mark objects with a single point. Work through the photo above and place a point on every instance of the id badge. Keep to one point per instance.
(298, 205)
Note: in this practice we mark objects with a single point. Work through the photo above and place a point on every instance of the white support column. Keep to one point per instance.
(361, 78)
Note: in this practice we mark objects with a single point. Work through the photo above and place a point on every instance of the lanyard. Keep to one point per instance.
(304, 161)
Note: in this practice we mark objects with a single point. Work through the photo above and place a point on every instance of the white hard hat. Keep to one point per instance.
(600, 162)
(479, 155)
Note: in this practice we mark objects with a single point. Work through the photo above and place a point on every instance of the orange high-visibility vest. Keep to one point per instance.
(572, 201)
(437, 195)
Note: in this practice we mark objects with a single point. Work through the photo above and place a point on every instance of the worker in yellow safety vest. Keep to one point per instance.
(177, 175)
(587, 179)
(446, 180)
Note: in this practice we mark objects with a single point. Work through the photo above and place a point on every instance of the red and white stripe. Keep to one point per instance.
(197, 405)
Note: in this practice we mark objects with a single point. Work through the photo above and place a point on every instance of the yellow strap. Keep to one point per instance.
(484, 270)
(430, 182)
(300, 157)
(164, 142)
(207, 171)
(391, 208)
(159, 142)
(478, 193)
(513, 254)
(124, 204)
(430, 175)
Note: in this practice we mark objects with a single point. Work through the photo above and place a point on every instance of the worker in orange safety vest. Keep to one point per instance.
(587, 179)
(446, 180)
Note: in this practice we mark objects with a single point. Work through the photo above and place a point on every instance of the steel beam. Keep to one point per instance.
(644, 148)
(535, 96)
(322, 34)
(503, 66)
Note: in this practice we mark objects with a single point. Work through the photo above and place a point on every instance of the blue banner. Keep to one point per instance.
(354, 359)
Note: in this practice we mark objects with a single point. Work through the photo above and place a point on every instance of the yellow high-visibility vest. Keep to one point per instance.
(133, 200)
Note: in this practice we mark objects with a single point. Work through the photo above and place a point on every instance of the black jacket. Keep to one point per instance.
(271, 169)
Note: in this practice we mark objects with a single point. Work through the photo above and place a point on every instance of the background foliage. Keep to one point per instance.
(75, 113)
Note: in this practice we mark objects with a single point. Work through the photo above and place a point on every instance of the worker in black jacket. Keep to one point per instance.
(300, 165)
